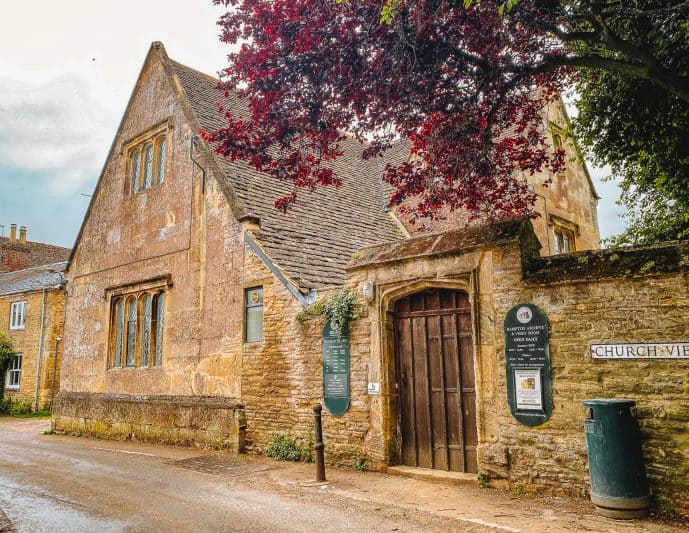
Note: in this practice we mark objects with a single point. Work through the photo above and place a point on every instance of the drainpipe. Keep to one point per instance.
(39, 359)
(52, 395)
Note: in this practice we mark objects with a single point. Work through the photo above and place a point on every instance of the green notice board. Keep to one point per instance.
(527, 362)
(335, 370)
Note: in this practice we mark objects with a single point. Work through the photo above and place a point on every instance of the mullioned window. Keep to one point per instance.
(146, 156)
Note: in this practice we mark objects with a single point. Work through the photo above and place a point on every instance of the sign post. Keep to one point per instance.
(335, 370)
(527, 362)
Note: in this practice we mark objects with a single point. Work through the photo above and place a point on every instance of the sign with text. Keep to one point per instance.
(335, 370)
(642, 350)
(527, 363)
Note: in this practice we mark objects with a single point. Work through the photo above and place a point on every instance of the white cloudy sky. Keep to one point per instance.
(66, 71)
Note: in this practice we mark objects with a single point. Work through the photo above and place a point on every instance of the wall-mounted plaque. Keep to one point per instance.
(527, 363)
(335, 370)
(641, 350)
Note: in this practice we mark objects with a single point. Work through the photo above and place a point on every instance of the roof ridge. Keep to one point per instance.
(37, 267)
(17, 241)
(194, 70)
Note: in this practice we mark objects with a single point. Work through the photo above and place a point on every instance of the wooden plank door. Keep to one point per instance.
(435, 365)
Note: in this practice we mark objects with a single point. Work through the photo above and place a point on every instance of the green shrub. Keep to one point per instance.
(5, 406)
(285, 447)
(359, 463)
(20, 408)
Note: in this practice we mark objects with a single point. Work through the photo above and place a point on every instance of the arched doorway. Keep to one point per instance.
(437, 391)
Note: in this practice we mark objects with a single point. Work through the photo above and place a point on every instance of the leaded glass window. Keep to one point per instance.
(161, 160)
(136, 331)
(253, 326)
(148, 170)
(131, 331)
(119, 329)
(146, 330)
(136, 161)
(160, 320)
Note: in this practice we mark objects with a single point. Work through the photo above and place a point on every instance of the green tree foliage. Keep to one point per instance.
(639, 128)
(6, 354)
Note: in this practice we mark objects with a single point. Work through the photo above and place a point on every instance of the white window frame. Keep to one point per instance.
(14, 369)
(18, 315)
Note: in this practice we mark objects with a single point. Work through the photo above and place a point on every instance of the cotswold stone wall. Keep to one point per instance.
(612, 296)
(595, 298)
(187, 420)
(282, 377)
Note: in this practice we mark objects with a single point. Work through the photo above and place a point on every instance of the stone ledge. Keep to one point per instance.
(428, 474)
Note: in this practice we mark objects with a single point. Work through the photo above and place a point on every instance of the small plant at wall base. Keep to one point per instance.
(340, 309)
(286, 447)
(6, 354)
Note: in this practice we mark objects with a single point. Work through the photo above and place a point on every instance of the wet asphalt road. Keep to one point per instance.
(56, 483)
(53, 483)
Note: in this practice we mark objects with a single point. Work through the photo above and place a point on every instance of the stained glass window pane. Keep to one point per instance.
(148, 170)
(131, 332)
(161, 160)
(146, 330)
(119, 327)
(135, 172)
(160, 319)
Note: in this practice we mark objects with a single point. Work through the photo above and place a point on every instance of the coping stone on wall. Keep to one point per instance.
(626, 262)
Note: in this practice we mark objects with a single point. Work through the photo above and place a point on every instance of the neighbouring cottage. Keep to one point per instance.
(186, 287)
(32, 299)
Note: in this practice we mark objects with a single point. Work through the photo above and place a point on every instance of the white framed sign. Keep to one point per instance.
(641, 350)
(528, 389)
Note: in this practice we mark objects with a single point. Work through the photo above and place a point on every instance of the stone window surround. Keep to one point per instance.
(154, 137)
(566, 228)
(14, 369)
(18, 315)
(125, 293)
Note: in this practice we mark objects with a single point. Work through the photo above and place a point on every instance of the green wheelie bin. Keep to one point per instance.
(619, 488)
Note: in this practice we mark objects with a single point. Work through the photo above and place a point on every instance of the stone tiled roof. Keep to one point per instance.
(38, 253)
(32, 279)
(315, 239)
(442, 243)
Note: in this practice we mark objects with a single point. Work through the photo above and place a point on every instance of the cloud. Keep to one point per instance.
(54, 128)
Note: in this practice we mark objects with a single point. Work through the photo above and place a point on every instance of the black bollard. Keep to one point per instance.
(318, 444)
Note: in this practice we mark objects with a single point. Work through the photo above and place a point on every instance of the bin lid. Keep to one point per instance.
(617, 402)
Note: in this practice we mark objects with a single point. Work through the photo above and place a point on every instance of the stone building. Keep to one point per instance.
(186, 288)
(18, 253)
(32, 303)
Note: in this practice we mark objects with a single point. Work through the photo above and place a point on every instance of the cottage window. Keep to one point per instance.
(253, 326)
(136, 329)
(14, 372)
(564, 241)
(17, 315)
(146, 155)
